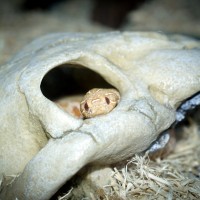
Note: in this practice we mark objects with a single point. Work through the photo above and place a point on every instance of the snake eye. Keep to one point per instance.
(107, 100)
(86, 107)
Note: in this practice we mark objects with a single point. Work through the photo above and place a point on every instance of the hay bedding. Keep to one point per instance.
(175, 177)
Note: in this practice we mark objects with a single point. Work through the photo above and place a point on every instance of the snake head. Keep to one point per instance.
(98, 102)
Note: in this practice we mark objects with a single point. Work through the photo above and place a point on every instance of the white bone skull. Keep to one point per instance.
(47, 146)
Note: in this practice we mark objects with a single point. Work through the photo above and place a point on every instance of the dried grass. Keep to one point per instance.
(177, 177)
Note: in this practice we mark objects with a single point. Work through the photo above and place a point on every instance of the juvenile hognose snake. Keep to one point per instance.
(97, 101)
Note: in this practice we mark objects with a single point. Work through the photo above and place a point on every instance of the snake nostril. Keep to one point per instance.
(107, 100)
(86, 107)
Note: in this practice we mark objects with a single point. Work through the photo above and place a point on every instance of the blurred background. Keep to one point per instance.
(23, 20)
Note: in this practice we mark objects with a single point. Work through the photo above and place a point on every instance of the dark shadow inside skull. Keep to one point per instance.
(70, 79)
(66, 85)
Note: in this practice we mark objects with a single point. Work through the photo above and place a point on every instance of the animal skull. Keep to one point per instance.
(153, 73)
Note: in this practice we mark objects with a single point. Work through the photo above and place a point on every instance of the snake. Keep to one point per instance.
(99, 101)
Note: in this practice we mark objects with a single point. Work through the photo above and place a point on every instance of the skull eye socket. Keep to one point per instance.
(107, 100)
(86, 106)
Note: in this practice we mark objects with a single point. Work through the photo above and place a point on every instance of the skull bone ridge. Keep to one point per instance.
(153, 73)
